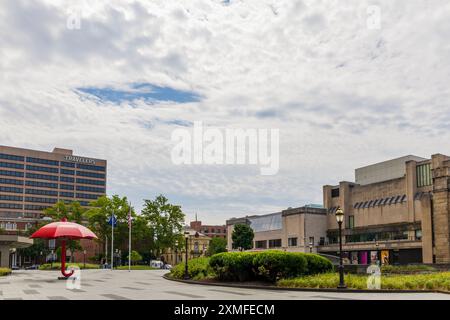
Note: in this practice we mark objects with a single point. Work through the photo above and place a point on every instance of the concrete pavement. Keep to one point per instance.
(143, 285)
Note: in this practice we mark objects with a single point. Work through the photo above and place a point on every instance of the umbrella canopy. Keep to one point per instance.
(64, 229)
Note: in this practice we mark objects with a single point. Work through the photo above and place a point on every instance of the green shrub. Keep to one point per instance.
(198, 269)
(57, 266)
(267, 265)
(273, 264)
(136, 267)
(4, 271)
(318, 264)
(233, 266)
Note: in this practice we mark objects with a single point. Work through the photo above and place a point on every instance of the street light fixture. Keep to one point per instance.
(186, 271)
(176, 252)
(340, 219)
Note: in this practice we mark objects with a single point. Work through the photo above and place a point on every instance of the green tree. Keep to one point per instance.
(217, 245)
(242, 237)
(99, 214)
(135, 256)
(73, 212)
(165, 221)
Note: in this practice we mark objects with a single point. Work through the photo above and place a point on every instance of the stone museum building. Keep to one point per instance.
(396, 212)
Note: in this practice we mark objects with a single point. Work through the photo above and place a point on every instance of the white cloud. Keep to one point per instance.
(342, 95)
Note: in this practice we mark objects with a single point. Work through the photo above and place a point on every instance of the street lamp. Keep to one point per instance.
(340, 219)
(84, 258)
(176, 252)
(186, 271)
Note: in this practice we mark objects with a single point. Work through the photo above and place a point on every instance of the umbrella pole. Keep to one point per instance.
(63, 260)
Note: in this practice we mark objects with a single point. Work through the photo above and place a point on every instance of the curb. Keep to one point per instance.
(274, 288)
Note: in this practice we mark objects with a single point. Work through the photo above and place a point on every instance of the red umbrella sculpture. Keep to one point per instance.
(65, 231)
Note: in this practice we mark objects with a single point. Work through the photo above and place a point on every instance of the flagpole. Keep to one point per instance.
(129, 240)
(112, 241)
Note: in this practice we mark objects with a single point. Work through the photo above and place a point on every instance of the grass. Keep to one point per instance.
(4, 272)
(57, 266)
(407, 269)
(136, 267)
(433, 281)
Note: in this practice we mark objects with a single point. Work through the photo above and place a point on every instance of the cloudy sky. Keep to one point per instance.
(347, 83)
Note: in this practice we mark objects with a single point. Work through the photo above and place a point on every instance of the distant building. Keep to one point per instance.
(31, 181)
(211, 231)
(198, 244)
(300, 229)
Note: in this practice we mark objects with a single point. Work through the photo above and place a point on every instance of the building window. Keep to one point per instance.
(335, 193)
(351, 222)
(418, 234)
(292, 242)
(262, 244)
(275, 243)
(424, 175)
(322, 241)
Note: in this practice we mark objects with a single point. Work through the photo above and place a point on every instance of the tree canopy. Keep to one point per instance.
(242, 237)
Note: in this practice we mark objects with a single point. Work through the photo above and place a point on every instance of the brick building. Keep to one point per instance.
(211, 231)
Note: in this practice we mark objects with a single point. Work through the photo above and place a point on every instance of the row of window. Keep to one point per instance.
(33, 207)
(68, 172)
(41, 176)
(11, 157)
(67, 179)
(273, 243)
(11, 206)
(90, 167)
(52, 162)
(91, 174)
(10, 198)
(89, 181)
(11, 189)
(43, 161)
(42, 192)
(41, 184)
(41, 200)
(43, 169)
(88, 196)
(11, 173)
(11, 165)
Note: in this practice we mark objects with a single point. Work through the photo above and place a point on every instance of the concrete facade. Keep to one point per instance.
(300, 229)
(402, 220)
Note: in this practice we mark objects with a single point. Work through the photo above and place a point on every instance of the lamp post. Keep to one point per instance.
(310, 247)
(176, 252)
(186, 271)
(340, 219)
(84, 258)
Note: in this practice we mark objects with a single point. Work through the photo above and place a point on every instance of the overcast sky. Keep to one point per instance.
(345, 90)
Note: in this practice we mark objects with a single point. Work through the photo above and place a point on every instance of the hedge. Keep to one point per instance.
(198, 269)
(57, 266)
(233, 266)
(269, 265)
(5, 271)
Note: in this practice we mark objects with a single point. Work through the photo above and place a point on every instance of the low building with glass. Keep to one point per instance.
(300, 229)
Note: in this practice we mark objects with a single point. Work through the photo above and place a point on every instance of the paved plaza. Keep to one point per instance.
(142, 285)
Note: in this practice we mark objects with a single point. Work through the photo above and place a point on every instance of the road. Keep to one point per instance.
(143, 285)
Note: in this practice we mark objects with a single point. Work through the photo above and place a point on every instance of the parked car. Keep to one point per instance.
(32, 267)
(156, 264)
(167, 266)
